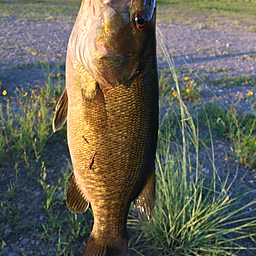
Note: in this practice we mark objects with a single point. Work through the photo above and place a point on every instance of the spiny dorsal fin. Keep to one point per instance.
(75, 199)
(145, 203)
(61, 112)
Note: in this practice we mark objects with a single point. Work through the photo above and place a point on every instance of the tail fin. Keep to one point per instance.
(93, 248)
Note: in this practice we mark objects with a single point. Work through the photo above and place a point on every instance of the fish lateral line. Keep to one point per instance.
(92, 160)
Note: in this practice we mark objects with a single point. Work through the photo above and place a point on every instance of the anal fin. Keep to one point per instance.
(61, 112)
(75, 199)
(145, 203)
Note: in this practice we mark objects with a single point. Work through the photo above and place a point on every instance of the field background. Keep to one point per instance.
(206, 154)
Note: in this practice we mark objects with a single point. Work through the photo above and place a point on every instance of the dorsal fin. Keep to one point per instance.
(61, 112)
(75, 199)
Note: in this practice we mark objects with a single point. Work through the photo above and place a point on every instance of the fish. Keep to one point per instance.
(110, 103)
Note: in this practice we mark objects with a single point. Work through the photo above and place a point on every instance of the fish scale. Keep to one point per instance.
(111, 106)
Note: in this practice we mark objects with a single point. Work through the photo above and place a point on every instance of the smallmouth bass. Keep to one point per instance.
(111, 107)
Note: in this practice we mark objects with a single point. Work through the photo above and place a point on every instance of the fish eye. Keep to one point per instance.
(140, 21)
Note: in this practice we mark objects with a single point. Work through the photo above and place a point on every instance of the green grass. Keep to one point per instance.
(194, 214)
(240, 129)
(191, 218)
(40, 10)
(33, 110)
(172, 10)
(229, 81)
(225, 8)
(207, 11)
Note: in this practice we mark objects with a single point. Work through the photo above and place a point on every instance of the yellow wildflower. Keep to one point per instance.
(59, 55)
(174, 94)
(39, 113)
(4, 92)
(52, 75)
(25, 94)
(58, 74)
(186, 78)
(188, 90)
(250, 93)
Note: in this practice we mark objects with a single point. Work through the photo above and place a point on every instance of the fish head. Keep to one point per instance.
(114, 39)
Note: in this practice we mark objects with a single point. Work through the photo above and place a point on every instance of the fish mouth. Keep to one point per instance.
(110, 7)
(108, 38)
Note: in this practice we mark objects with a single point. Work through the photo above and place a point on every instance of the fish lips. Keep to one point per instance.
(106, 9)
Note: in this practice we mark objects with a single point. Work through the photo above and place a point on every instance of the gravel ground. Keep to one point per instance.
(204, 48)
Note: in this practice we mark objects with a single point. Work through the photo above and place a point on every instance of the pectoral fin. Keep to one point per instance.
(75, 199)
(61, 112)
(145, 203)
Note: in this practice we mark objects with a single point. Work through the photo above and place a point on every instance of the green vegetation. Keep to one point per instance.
(195, 11)
(32, 108)
(39, 9)
(229, 81)
(241, 130)
(192, 218)
(174, 10)
(195, 213)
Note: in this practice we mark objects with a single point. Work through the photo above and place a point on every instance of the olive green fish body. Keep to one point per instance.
(111, 107)
(120, 126)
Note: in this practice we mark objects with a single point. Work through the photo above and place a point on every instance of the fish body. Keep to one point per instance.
(111, 107)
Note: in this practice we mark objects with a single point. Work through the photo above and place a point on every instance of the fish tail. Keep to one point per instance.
(95, 248)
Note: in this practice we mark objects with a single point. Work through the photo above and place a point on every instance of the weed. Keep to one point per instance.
(239, 129)
(228, 82)
(3, 244)
(16, 171)
(190, 90)
(25, 121)
(216, 70)
(194, 214)
(49, 190)
(10, 193)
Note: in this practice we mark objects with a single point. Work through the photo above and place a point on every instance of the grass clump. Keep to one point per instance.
(189, 89)
(61, 227)
(25, 121)
(195, 214)
(229, 81)
(39, 10)
(191, 218)
(238, 129)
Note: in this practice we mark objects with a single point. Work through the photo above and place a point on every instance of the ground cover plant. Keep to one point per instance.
(201, 208)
